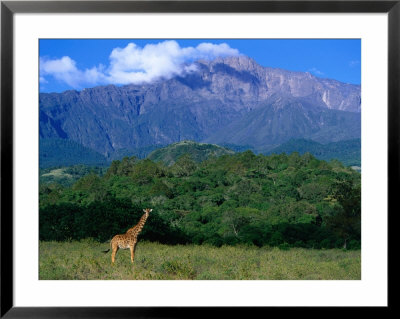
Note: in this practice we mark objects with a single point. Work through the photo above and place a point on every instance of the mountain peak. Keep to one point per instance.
(240, 62)
(270, 104)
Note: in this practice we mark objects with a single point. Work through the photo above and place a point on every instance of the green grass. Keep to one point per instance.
(84, 260)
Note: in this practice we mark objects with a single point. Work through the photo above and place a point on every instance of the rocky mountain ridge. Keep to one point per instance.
(229, 100)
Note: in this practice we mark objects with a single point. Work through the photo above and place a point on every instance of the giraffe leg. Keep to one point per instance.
(114, 251)
(133, 251)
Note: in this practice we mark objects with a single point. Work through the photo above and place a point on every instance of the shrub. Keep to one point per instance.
(284, 246)
(276, 239)
(354, 245)
(299, 243)
(326, 243)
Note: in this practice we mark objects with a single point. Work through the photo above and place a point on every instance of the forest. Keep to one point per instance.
(262, 200)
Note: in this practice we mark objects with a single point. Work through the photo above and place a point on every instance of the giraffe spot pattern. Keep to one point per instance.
(129, 239)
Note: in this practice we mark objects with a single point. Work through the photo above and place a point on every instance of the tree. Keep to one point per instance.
(93, 187)
(240, 198)
(346, 223)
(184, 166)
(145, 171)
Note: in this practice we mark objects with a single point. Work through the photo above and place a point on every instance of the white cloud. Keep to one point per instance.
(134, 64)
(65, 70)
(315, 71)
(63, 65)
(210, 51)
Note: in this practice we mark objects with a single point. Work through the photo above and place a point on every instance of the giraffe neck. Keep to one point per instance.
(142, 221)
(137, 229)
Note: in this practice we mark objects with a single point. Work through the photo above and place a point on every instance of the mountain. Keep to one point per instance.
(348, 152)
(198, 152)
(230, 100)
(286, 118)
(56, 152)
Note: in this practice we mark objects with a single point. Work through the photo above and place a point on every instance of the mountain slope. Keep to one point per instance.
(284, 119)
(227, 101)
(348, 152)
(198, 152)
(60, 152)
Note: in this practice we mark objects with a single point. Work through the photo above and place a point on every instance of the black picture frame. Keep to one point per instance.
(9, 8)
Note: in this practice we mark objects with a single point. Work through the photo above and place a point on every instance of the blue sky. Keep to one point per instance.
(76, 64)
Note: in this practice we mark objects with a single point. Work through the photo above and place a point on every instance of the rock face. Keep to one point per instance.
(228, 100)
(243, 78)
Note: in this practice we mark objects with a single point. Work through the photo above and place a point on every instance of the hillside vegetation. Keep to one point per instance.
(277, 200)
(348, 152)
(199, 152)
(57, 152)
(67, 176)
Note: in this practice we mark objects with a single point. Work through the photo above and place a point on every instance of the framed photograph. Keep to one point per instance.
(165, 157)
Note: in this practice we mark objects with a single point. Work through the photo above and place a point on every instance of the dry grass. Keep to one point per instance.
(84, 260)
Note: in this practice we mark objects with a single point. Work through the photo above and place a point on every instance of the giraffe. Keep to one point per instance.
(129, 239)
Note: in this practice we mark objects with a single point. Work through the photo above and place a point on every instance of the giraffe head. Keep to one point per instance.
(147, 210)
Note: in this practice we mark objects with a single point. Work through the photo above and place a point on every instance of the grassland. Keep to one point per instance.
(84, 260)
(59, 172)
